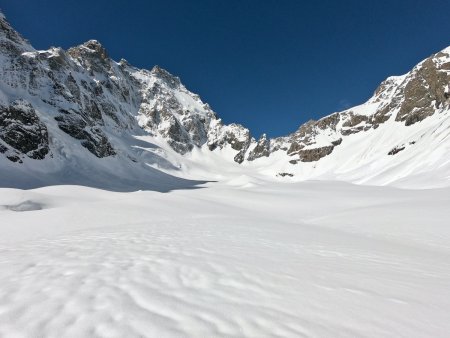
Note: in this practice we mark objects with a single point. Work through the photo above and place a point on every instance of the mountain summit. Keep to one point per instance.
(77, 116)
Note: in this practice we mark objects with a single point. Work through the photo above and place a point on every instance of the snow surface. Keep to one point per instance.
(241, 258)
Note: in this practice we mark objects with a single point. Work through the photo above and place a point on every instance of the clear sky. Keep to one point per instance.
(270, 65)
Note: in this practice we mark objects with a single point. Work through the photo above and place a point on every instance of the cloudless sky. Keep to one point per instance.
(270, 65)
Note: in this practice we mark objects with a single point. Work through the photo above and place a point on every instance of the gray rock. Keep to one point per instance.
(425, 92)
(312, 155)
(396, 150)
(262, 149)
(21, 128)
(92, 137)
(285, 174)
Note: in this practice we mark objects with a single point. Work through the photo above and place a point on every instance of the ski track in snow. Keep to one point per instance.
(313, 259)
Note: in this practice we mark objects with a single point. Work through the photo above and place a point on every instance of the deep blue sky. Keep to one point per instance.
(270, 65)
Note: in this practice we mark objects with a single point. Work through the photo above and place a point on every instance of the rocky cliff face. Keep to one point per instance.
(93, 98)
(54, 103)
(411, 98)
(22, 132)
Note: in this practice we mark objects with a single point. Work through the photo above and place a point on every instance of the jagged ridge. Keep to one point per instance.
(94, 100)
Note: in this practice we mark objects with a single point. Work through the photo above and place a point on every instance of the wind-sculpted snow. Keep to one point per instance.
(315, 259)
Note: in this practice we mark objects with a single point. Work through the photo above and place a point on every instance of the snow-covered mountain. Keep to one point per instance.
(253, 254)
(77, 116)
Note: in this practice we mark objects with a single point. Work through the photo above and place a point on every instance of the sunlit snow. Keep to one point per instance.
(240, 258)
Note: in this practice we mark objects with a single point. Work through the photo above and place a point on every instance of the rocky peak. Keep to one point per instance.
(234, 135)
(7, 31)
(124, 63)
(262, 149)
(96, 48)
(386, 87)
(426, 89)
(10, 40)
(91, 55)
(171, 80)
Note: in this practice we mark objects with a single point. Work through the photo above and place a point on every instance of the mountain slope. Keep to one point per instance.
(79, 117)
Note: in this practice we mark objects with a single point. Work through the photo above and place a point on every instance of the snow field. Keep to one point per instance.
(313, 259)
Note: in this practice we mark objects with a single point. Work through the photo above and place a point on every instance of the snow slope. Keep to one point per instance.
(423, 162)
(241, 258)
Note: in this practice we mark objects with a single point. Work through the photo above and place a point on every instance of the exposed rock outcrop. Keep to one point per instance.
(426, 91)
(410, 99)
(23, 132)
(262, 149)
